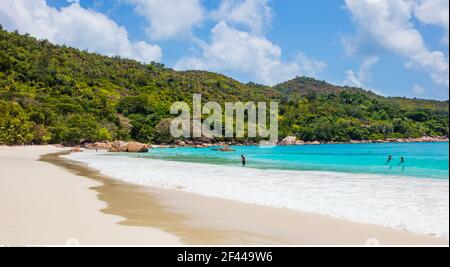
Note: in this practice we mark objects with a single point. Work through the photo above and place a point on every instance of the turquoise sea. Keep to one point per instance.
(425, 160)
(349, 181)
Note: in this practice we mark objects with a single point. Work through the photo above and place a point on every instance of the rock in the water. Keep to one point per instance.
(268, 143)
(299, 142)
(224, 149)
(288, 141)
(102, 146)
(135, 147)
(180, 143)
(119, 146)
(76, 150)
(203, 140)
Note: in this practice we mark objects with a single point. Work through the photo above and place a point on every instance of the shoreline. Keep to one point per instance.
(312, 143)
(245, 223)
(145, 214)
(106, 145)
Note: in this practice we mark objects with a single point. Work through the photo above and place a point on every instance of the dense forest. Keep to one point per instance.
(58, 94)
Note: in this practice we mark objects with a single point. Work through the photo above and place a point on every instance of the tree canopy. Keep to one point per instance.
(58, 94)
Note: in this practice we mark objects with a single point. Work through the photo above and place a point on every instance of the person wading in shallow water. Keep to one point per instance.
(389, 159)
(243, 160)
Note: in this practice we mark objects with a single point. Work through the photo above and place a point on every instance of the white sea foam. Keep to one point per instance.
(417, 205)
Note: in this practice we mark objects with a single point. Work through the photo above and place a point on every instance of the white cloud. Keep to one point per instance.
(74, 26)
(255, 15)
(351, 79)
(170, 18)
(243, 52)
(363, 75)
(388, 23)
(309, 66)
(433, 12)
(418, 90)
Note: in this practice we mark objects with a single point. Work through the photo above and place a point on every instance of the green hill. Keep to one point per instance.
(302, 86)
(57, 94)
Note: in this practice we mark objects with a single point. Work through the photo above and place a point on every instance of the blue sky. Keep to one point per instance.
(393, 47)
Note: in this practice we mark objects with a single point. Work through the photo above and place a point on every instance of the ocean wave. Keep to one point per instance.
(417, 205)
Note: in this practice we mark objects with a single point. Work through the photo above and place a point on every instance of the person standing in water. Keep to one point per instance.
(243, 160)
(389, 159)
(402, 163)
(388, 162)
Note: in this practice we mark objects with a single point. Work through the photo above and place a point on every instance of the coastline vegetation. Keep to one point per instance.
(58, 94)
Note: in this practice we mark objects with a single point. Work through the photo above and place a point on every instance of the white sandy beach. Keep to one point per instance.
(44, 204)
